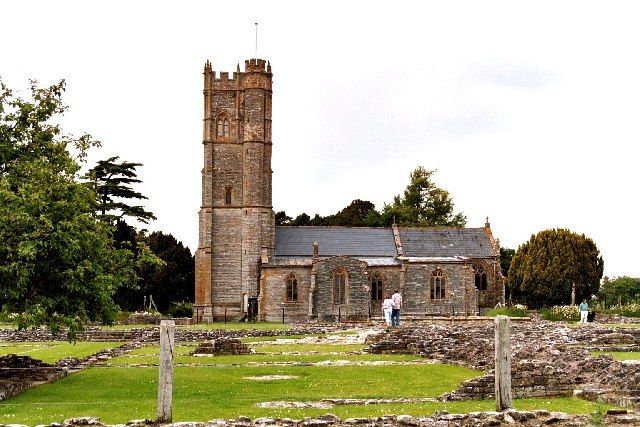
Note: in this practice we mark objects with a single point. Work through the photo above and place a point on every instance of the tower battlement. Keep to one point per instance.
(252, 65)
(257, 65)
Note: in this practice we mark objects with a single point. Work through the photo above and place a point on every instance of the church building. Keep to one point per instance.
(246, 266)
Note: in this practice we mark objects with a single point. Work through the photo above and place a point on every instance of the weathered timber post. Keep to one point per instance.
(165, 381)
(503, 363)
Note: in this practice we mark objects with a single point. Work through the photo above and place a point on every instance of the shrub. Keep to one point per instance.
(565, 313)
(181, 309)
(516, 311)
(627, 310)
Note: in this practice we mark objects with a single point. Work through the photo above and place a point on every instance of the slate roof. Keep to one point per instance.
(446, 242)
(360, 242)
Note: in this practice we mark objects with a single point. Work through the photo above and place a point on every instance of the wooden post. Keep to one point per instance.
(165, 381)
(503, 363)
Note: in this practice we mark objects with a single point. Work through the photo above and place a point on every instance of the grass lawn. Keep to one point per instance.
(619, 355)
(52, 351)
(230, 326)
(219, 387)
(117, 395)
(303, 353)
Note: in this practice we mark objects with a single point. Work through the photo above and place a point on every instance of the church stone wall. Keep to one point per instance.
(391, 280)
(459, 292)
(494, 293)
(357, 296)
(273, 297)
(226, 264)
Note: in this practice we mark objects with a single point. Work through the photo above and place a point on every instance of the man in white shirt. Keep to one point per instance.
(395, 311)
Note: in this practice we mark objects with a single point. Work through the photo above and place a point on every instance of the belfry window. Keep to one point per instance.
(227, 196)
(222, 127)
(339, 287)
(480, 278)
(437, 285)
(292, 288)
(376, 287)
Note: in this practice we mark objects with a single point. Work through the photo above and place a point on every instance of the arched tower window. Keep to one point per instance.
(339, 286)
(222, 126)
(227, 196)
(437, 285)
(480, 277)
(376, 287)
(292, 287)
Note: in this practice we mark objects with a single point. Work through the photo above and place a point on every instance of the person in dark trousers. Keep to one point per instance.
(395, 311)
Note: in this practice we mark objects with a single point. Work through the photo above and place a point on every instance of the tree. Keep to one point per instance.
(57, 264)
(282, 218)
(506, 255)
(354, 215)
(544, 269)
(302, 219)
(173, 281)
(620, 290)
(422, 204)
(112, 182)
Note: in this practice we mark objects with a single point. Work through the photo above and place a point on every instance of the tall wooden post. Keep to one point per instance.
(165, 381)
(503, 363)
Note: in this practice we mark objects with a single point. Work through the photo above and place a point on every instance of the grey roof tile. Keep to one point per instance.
(350, 241)
(446, 242)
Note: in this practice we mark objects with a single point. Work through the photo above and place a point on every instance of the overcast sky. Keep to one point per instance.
(528, 110)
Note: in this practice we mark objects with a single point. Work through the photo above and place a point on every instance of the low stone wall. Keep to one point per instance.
(221, 346)
(548, 359)
(507, 418)
(19, 373)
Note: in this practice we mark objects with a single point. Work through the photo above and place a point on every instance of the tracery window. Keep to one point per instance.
(376, 287)
(339, 286)
(480, 278)
(222, 126)
(292, 287)
(437, 285)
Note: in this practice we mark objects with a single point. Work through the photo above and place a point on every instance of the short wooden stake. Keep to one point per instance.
(503, 363)
(165, 381)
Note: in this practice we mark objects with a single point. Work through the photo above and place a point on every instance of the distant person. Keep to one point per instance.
(584, 311)
(387, 306)
(395, 311)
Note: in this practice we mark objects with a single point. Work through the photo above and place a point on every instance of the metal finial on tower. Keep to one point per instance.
(256, 24)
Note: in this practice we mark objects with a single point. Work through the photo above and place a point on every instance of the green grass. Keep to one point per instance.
(53, 351)
(507, 311)
(619, 355)
(217, 387)
(117, 395)
(200, 393)
(240, 326)
(310, 353)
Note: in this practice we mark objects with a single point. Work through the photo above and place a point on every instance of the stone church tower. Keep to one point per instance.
(236, 217)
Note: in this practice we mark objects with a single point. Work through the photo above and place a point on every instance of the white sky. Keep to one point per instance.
(528, 110)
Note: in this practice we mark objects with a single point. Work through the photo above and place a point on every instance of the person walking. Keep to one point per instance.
(584, 311)
(395, 311)
(387, 306)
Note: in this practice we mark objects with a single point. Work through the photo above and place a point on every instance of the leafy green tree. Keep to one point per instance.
(112, 181)
(422, 204)
(171, 282)
(506, 255)
(354, 215)
(620, 290)
(544, 269)
(282, 218)
(302, 219)
(57, 264)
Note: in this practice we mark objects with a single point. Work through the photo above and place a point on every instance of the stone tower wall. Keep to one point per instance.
(236, 235)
